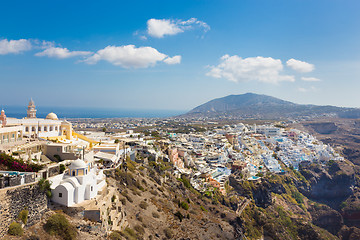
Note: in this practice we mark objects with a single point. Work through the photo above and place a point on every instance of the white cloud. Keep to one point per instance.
(300, 66)
(14, 46)
(310, 79)
(61, 53)
(173, 60)
(129, 56)
(311, 89)
(160, 27)
(261, 69)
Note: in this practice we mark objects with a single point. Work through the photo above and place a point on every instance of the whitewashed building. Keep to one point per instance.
(81, 182)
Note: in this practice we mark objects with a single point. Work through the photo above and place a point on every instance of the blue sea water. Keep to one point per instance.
(78, 112)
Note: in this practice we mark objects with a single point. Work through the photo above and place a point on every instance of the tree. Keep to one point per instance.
(62, 168)
(15, 229)
(45, 187)
(58, 225)
(23, 215)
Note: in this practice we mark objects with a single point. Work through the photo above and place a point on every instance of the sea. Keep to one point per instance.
(80, 112)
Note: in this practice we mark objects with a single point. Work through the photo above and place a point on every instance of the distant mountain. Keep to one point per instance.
(251, 105)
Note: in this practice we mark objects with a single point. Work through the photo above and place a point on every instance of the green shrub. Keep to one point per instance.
(23, 216)
(62, 168)
(168, 233)
(298, 197)
(185, 181)
(127, 197)
(179, 215)
(58, 225)
(15, 229)
(129, 234)
(139, 229)
(45, 187)
(184, 205)
(343, 205)
(143, 205)
(58, 158)
(115, 236)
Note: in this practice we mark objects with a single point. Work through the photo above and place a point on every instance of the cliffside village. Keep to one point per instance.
(75, 161)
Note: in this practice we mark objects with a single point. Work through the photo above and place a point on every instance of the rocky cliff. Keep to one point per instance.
(16, 199)
(330, 184)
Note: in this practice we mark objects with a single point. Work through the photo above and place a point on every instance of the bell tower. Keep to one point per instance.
(31, 112)
(3, 118)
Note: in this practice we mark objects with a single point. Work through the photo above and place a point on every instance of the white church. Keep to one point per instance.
(81, 182)
(13, 129)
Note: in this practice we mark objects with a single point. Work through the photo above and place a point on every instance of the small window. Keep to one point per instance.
(91, 188)
(60, 194)
(51, 128)
(45, 129)
(26, 129)
(56, 128)
(39, 129)
(73, 173)
(33, 129)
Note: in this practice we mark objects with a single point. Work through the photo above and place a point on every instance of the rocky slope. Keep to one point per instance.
(159, 205)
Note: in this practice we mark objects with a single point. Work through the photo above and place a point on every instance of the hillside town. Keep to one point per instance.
(75, 163)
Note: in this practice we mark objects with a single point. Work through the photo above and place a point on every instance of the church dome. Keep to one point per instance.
(52, 116)
(77, 164)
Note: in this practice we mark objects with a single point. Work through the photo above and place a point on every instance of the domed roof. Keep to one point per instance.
(78, 164)
(52, 116)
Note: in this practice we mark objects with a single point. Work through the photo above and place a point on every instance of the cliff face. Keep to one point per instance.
(323, 127)
(329, 184)
(279, 211)
(326, 217)
(14, 200)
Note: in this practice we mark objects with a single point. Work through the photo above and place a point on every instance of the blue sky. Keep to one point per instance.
(178, 54)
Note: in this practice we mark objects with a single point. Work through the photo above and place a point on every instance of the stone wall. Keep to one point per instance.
(14, 180)
(29, 178)
(14, 200)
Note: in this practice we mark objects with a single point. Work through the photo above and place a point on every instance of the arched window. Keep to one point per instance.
(56, 128)
(51, 128)
(33, 129)
(39, 129)
(26, 129)
(45, 129)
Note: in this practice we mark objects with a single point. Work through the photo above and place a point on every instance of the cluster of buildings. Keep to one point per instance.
(52, 142)
(208, 156)
(112, 123)
(211, 156)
